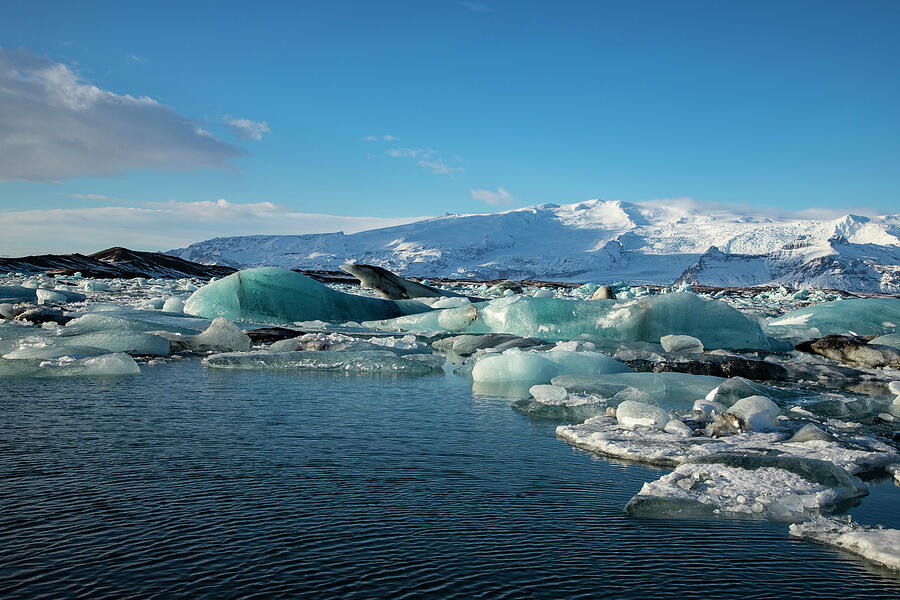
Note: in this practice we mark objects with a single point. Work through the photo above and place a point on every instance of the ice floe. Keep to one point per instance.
(877, 544)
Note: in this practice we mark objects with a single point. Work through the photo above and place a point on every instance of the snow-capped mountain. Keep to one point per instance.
(600, 241)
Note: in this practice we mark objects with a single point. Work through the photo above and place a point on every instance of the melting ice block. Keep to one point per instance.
(856, 316)
(648, 318)
(681, 343)
(669, 390)
(532, 367)
(269, 294)
(107, 364)
(757, 412)
(632, 413)
(876, 544)
(783, 488)
(376, 361)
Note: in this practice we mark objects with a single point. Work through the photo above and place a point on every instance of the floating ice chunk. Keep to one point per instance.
(669, 390)
(153, 303)
(130, 342)
(681, 343)
(48, 349)
(648, 318)
(279, 295)
(603, 435)
(677, 427)
(709, 407)
(514, 365)
(758, 413)
(107, 364)
(376, 361)
(894, 470)
(50, 297)
(94, 286)
(400, 345)
(784, 488)
(17, 293)
(571, 409)
(876, 544)
(891, 339)
(125, 320)
(222, 336)
(173, 305)
(633, 414)
(857, 316)
(549, 394)
(532, 367)
(810, 433)
(451, 302)
(543, 293)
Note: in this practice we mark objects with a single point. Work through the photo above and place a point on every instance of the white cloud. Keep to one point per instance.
(245, 129)
(54, 126)
(427, 159)
(499, 198)
(370, 138)
(163, 225)
(438, 166)
(92, 197)
(389, 138)
(137, 59)
(403, 152)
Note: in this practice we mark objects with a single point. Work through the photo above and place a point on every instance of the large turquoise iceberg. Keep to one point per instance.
(270, 294)
(856, 316)
(646, 319)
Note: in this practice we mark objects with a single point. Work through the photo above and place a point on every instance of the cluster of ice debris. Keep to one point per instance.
(764, 405)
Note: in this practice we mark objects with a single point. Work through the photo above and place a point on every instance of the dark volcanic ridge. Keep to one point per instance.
(114, 262)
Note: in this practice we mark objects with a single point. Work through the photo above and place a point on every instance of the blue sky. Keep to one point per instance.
(404, 109)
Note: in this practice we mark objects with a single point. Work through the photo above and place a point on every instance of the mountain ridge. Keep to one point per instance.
(598, 240)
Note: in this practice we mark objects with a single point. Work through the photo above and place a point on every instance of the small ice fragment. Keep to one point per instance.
(681, 343)
(708, 407)
(632, 413)
(810, 433)
(548, 394)
(876, 544)
(758, 413)
(173, 305)
(677, 427)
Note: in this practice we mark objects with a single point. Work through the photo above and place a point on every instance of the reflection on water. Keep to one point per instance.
(193, 483)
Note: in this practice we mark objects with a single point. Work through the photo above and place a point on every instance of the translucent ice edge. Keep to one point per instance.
(604, 435)
(781, 488)
(374, 361)
(876, 544)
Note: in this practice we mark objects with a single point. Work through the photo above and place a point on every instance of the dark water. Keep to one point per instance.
(190, 483)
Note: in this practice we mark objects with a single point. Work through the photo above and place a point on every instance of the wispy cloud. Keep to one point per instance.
(404, 152)
(245, 129)
(92, 197)
(386, 137)
(476, 6)
(137, 59)
(428, 159)
(54, 125)
(438, 166)
(499, 198)
(164, 225)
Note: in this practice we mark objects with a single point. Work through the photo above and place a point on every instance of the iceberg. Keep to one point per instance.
(632, 414)
(107, 364)
(605, 436)
(856, 316)
(648, 318)
(533, 367)
(668, 390)
(879, 545)
(270, 294)
(377, 361)
(782, 488)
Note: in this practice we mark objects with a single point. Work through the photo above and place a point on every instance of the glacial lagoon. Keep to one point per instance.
(208, 473)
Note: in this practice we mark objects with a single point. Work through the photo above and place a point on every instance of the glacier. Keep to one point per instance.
(599, 240)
